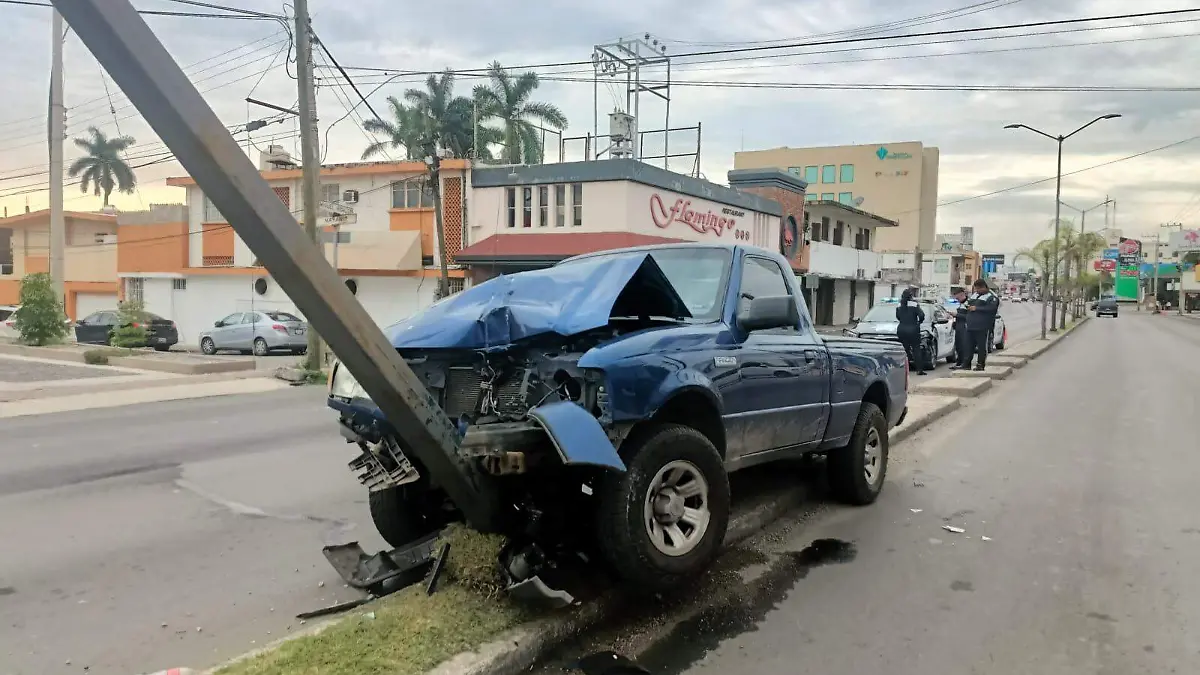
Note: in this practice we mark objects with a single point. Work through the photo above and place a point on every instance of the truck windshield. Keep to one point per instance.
(698, 275)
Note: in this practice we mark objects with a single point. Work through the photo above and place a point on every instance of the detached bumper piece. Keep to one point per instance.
(385, 572)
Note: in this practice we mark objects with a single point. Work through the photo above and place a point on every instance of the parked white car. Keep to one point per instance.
(8, 322)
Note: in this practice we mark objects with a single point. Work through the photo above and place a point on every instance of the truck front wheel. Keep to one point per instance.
(664, 518)
(857, 471)
(404, 514)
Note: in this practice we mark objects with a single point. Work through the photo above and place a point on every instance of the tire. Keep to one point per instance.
(402, 516)
(643, 555)
(162, 348)
(848, 476)
(208, 346)
(1003, 340)
(260, 347)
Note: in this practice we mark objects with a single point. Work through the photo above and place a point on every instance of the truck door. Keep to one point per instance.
(784, 374)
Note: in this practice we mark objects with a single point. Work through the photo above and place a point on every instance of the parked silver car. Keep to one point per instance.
(257, 332)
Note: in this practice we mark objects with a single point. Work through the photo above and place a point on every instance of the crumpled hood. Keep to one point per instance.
(565, 299)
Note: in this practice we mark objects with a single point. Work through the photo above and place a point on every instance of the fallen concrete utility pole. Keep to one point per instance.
(139, 63)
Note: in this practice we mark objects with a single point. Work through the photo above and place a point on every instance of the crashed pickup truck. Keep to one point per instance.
(609, 397)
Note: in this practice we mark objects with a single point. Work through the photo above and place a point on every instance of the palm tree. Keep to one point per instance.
(102, 167)
(1042, 255)
(506, 98)
(403, 131)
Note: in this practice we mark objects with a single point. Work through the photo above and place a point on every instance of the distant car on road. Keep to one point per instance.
(258, 332)
(97, 329)
(1106, 307)
(8, 322)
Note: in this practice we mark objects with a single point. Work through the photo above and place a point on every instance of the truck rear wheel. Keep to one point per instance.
(404, 514)
(664, 519)
(857, 471)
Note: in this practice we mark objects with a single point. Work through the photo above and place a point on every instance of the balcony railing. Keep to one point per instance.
(217, 261)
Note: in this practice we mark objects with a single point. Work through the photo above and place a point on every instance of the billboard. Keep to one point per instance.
(1185, 241)
(1111, 254)
(992, 262)
(1129, 262)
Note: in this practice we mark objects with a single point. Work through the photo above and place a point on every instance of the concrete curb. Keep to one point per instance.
(156, 364)
(941, 408)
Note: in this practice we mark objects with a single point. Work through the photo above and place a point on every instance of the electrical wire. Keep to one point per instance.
(150, 12)
(825, 43)
(235, 10)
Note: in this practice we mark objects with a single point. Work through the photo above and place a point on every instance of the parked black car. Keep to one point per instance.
(97, 329)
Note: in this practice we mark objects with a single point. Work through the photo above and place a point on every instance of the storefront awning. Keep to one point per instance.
(551, 247)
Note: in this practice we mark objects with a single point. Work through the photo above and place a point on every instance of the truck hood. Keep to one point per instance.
(566, 299)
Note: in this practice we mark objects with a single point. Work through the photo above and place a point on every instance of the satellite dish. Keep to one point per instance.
(859, 200)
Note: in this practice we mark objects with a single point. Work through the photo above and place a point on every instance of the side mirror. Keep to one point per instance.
(218, 324)
(776, 311)
(81, 322)
(856, 320)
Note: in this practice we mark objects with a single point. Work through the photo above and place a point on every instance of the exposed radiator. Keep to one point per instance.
(463, 388)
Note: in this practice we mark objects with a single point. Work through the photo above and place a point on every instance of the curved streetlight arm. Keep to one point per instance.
(1110, 116)
(1036, 131)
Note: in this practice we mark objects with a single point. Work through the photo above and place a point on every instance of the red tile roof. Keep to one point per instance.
(553, 245)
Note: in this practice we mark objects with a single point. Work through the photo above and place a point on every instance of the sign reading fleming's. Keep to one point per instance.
(703, 222)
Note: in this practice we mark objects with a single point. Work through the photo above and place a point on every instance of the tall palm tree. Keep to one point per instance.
(444, 120)
(402, 132)
(506, 98)
(1042, 255)
(102, 167)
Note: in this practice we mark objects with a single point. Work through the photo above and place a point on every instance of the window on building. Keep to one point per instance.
(560, 205)
(527, 207)
(179, 284)
(795, 171)
(823, 230)
(866, 236)
(846, 173)
(211, 214)
(829, 173)
(512, 206)
(454, 285)
(857, 238)
(826, 196)
(134, 289)
(577, 204)
(846, 198)
(806, 233)
(411, 194)
(810, 197)
(543, 205)
(331, 192)
(810, 175)
(837, 233)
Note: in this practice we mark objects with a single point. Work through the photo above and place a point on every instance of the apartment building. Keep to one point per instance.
(89, 258)
(896, 181)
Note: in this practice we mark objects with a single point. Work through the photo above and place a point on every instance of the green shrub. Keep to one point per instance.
(41, 319)
(131, 327)
(96, 357)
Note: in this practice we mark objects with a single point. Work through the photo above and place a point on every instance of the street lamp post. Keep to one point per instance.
(1057, 212)
(1083, 229)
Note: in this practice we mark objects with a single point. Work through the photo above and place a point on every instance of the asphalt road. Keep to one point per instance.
(182, 533)
(1081, 472)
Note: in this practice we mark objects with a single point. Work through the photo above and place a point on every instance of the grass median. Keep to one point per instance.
(408, 632)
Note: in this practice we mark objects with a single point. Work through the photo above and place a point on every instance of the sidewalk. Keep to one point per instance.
(175, 389)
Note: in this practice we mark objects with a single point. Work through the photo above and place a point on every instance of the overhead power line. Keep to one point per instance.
(821, 43)
(152, 12)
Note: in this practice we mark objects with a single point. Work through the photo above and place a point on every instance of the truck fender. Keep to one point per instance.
(577, 435)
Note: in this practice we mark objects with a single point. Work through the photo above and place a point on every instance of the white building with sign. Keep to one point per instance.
(525, 217)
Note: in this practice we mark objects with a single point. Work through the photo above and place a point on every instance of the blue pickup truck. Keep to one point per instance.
(611, 395)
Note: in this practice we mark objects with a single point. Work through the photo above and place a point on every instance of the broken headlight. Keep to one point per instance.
(343, 385)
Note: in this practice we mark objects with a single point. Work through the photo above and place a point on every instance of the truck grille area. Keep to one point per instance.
(464, 385)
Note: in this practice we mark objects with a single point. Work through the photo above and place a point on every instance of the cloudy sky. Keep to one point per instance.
(230, 60)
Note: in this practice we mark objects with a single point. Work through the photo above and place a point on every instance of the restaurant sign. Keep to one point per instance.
(709, 221)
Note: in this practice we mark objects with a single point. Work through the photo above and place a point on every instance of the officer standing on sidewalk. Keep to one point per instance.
(962, 340)
(981, 318)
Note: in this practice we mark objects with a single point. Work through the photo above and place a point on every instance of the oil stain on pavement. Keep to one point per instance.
(692, 639)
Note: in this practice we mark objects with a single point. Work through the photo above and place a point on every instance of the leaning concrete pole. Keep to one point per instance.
(147, 74)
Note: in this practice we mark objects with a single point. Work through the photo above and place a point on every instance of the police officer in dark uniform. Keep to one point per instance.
(962, 340)
(981, 308)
